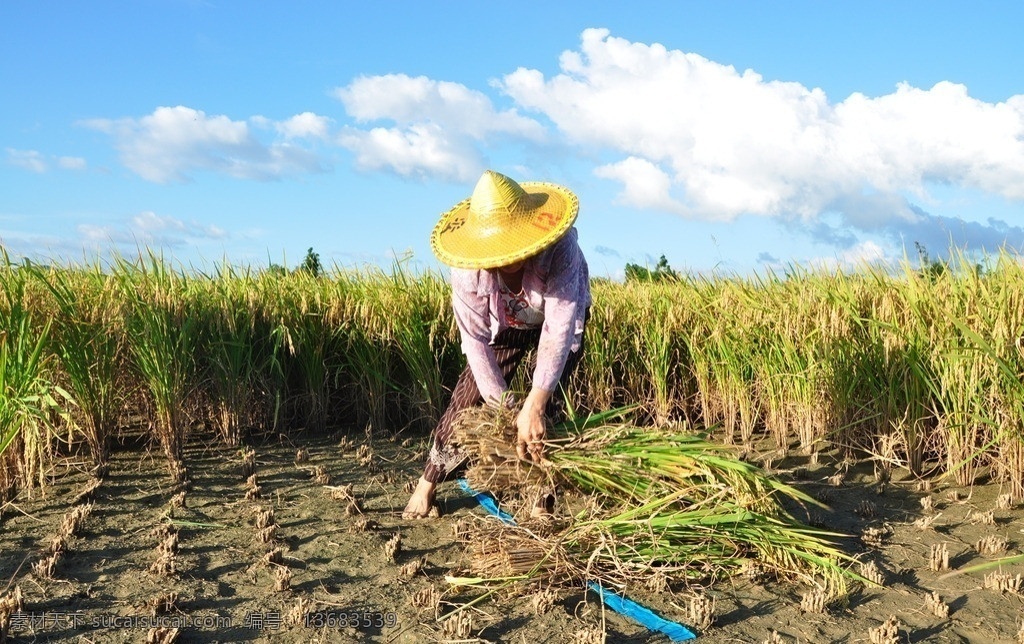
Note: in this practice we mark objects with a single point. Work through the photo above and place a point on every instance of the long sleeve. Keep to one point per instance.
(472, 314)
(566, 297)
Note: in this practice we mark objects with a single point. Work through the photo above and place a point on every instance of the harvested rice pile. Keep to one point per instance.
(662, 507)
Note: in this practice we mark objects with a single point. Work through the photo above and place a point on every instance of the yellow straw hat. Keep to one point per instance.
(503, 222)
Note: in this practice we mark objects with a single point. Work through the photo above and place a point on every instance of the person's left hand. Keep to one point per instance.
(532, 427)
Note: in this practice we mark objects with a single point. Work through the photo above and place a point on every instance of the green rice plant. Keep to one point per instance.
(707, 540)
(163, 337)
(88, 339)
(994, 351)
(306, 338)
(238, 358)
(29, 410)
(632, 464)
(361, 326)
(420, 302)
(898, 379)
(721, 340)
(603, 353)
(657, 348)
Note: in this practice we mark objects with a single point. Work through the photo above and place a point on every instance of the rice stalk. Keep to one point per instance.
(240, 363)
(305, 339)
(164, 337)
(88, 339)
(423, 302)
(29, 409)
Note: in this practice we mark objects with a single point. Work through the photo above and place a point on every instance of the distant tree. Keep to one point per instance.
(311, 264)
(930, 268)
(277, 269)
(661, 272)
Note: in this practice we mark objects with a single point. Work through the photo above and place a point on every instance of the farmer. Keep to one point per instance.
(519, 282)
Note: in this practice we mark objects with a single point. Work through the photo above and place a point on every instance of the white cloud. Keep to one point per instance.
(419, 150)
(150, 229)
(438, 126)
(305, 126)
(28, 159)
(861, 255)
(703, 139)
(35, 161)
(173, 142)
(867, 252)
(645, 185)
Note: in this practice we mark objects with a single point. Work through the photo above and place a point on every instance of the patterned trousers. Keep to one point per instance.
(510, 347)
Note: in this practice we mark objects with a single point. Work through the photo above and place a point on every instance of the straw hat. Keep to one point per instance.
(503, 222)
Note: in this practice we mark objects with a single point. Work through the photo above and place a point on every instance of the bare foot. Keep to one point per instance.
(421, 503)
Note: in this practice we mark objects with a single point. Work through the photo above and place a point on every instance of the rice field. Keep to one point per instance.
(914, 375)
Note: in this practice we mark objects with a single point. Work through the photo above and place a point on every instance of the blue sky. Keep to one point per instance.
(725, 135)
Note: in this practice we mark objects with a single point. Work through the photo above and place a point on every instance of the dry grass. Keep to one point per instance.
(1003, 583)
(163, 604)
(939, 559)
(872, 573)
(814, 601)
(701, 611)
(887, 633)
(992, 545)
(11, 602)
(46, 567)
(161, 635)
(392, 548)
(412, 568)
(457, 627)
(296, 615)
(426, 598)
(282, 578)
(933, 604)
(499, 552)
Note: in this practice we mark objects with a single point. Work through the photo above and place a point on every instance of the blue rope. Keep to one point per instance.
(624, 606)
(621, 605)
(488, 502)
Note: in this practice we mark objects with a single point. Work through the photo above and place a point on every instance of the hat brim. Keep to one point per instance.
(459, 242)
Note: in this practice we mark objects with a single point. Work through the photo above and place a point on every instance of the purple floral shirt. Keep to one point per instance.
(556, 281)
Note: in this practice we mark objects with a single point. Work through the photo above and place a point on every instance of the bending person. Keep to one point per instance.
(519, 282)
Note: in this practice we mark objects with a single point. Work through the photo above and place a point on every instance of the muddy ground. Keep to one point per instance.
(110, 578)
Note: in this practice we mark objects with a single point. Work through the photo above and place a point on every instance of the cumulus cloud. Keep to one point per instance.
(704, 140)
(305, 126)
(150, 229)
(422, 150)
(173, 142)
(435, 128)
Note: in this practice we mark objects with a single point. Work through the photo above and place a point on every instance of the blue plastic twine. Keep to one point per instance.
(487, 501)
(623, 606)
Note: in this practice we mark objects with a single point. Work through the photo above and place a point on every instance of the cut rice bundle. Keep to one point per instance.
(664, 504)
(513, 551)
